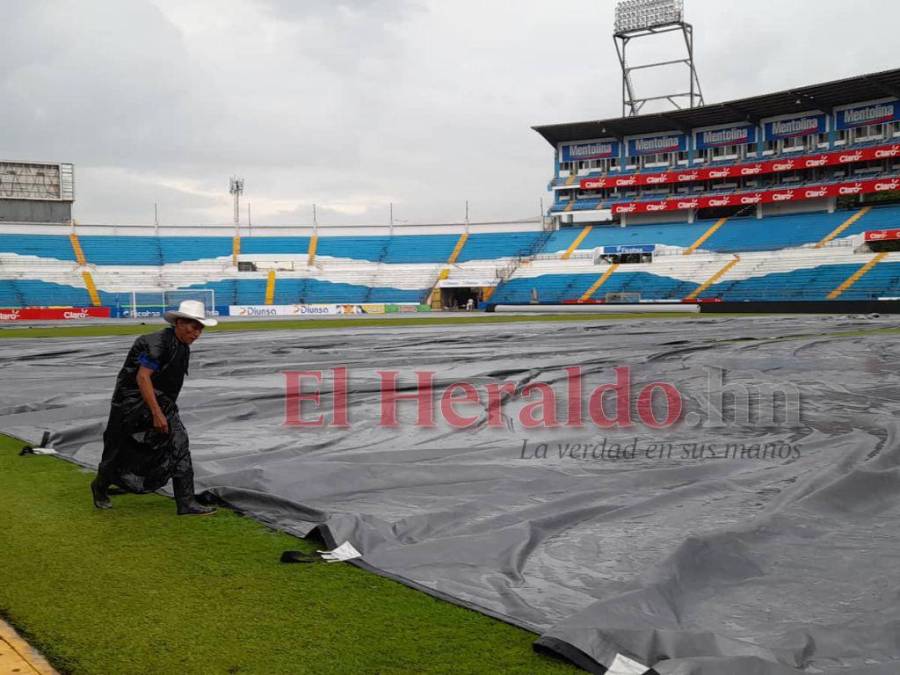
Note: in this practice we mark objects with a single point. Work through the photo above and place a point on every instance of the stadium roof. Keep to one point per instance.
(824, 97)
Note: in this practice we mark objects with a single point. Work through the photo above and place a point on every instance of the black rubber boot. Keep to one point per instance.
(185, 500)
(99, 487)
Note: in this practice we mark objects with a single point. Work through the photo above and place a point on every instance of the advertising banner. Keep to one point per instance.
(847, 188)
(623, 248)
(263, 311)
(575, 152)
(743, 170)
(53, 313)
(864, 115)
(653, 145)
(742, 135)
(798, 126)
(882, 235)
(468, 283)
(150, 312)
(268, 311)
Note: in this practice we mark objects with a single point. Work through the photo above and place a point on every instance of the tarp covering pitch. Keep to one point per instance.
(740, 518)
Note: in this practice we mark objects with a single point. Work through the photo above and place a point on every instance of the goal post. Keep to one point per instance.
(623, 297)
(205, 295)
(144, 304)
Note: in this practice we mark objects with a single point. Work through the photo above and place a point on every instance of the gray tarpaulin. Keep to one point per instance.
(733, 547)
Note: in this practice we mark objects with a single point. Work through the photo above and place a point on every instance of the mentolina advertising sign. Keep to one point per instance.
(864, 115)
(714, 138)
(654, 145)
(798, 126)
(579, 152)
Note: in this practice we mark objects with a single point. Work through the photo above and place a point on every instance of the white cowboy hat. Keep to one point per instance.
(190, 309)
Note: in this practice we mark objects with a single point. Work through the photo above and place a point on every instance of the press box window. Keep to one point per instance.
(869, 132)
(659, 159)
(793, 144)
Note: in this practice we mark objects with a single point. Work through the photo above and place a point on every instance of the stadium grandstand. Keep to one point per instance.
(623, 485)
(789, 197)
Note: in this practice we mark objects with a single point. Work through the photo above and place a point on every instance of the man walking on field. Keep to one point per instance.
(145, 444)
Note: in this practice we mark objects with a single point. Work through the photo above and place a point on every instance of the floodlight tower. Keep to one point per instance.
(643, 18)
(236, 188)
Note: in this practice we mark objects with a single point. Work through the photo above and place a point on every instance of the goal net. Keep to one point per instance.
(155, 303)
(623, 296)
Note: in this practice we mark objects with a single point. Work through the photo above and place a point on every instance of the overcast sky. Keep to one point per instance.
(354, 104)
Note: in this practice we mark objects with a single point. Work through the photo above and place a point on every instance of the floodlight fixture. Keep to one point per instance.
(642, 18)
(633, 15)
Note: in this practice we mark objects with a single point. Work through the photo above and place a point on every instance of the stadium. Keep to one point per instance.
(760, 200)
(651, 431)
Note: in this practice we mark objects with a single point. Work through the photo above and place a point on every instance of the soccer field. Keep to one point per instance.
(481, 516)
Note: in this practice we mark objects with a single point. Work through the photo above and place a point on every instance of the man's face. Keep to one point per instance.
(188, 330)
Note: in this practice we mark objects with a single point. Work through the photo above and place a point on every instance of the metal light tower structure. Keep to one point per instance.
(236, 188)
(647, 18)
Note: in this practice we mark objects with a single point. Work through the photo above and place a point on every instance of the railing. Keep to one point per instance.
(506, 271)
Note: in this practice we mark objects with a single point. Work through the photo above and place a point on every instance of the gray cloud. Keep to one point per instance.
(378, 10)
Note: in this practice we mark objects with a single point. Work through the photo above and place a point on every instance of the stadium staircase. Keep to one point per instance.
(706, 235)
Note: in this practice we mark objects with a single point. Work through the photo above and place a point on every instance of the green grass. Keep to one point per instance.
(139, 590)
(309, 324)
(105, 329)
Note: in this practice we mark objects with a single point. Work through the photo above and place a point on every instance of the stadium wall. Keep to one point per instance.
(220, 230)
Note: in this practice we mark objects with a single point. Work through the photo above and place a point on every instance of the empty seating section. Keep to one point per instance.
(184, 249)
(303, 291)
(53, 246)
(493, 245)
(427, 248)
(650, 286)
(881, 218)
(814, 283)
(777, 261)
(372, 249)
(882, 281)
(670, 234)
(777, 232)
(293, 246)
(424, 248)
(101, 250)
(738, 234)
(806, 284)
(560, 240)
(551, 288)
(557, 287)
(155, 251)
(35, 293)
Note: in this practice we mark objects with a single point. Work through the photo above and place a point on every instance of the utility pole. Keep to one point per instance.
(236, 188)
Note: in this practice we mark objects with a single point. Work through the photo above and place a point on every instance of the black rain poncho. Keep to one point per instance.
(135, 456)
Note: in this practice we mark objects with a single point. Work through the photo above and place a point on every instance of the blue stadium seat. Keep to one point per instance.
(492, 245)
(772, 233)
(53, 246)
